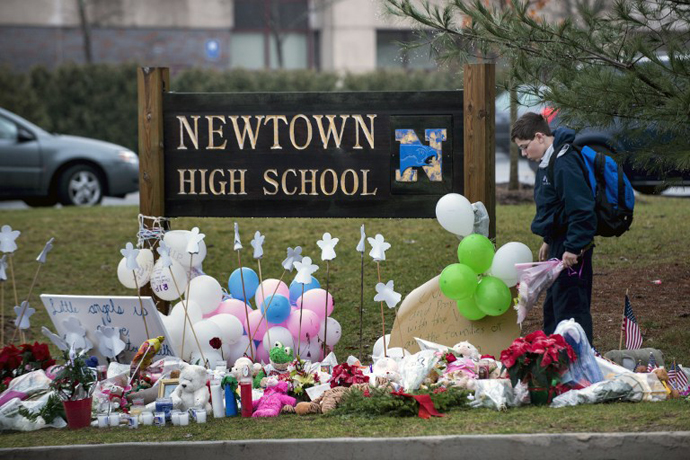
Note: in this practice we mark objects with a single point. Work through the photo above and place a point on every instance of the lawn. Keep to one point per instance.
(86, 254)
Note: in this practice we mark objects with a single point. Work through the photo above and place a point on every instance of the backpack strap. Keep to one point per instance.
(552, 162)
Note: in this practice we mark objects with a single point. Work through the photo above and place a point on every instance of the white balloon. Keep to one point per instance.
(143, 273)
(193, 311)
(334, 332)
(397, 352)
(176, 240)
(378, 346)
(205, 331)
(503, 265)
(163, 284)
(278, 334)
(239, 349)
(311, 350)
(206, 292)
(230, 327)
(454, 213)
(212, 356)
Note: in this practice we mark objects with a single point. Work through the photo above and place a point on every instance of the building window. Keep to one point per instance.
(391, 53)
(272, 34)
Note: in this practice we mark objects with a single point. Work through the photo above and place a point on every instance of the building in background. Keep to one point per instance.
(332, 35)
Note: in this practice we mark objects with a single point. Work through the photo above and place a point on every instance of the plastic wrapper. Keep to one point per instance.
(585, 370)
(607, 390)
(534, 278)
(25, 385)
(11, 419)
(415, 368)
(481, 219)
(498, 394)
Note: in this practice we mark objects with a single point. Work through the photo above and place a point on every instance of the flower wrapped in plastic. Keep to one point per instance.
(534, 278)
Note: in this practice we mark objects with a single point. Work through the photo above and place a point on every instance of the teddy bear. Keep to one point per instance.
(192, 390)
(662, 375)
(274, 399)
(466, 350)
(328, 401)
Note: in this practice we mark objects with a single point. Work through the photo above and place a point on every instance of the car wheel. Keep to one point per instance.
(80, 185)
(41, 202)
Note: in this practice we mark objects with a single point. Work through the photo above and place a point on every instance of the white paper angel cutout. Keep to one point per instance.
(257, 244)
(193, 240)
(76, 334)
(3, 268)
(56, 339)
(109, 343)
(361, 246)
(293, 255)
(386, 293)
(379, 246)
(28, 311)
(130, 254)
(164, 252)
(237, 244)
(304, 270)
(7, 237)
(327, 245)
(46, 249)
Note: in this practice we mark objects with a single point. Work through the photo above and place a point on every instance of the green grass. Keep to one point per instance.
(86, 254)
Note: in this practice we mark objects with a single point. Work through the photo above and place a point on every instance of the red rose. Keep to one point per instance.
(450, 357)
(215, 343)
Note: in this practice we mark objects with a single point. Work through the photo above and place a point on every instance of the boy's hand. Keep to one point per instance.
(543, 252)
(569, 259)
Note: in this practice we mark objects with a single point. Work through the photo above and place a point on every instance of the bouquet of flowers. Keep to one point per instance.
(75, 380)
(345, 375)
(299, 378)
(19, 361)
(537, 359)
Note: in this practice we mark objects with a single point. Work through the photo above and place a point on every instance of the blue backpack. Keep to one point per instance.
(613, 194)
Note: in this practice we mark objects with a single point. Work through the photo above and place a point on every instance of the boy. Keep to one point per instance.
(565, 218)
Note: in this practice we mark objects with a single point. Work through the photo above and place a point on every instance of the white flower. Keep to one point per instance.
(327, 245)
(385, 293)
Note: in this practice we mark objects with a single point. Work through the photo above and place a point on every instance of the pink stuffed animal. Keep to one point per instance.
(273, 400)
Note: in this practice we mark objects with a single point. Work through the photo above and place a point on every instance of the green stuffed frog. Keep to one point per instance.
(281, 356)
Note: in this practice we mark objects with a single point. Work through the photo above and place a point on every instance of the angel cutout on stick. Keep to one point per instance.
(7, 239)
(23, 312)
(293, 255)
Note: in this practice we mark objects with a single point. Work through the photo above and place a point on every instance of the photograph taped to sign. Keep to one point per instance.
(121, 312)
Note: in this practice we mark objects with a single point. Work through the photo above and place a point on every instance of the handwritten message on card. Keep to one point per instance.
(428, 314)
(123, 313)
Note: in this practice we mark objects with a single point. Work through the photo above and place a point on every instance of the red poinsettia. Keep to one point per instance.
(18, 361)
(538, 358)
(345, 375)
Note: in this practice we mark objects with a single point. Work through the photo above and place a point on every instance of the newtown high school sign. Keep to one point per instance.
(368, 154)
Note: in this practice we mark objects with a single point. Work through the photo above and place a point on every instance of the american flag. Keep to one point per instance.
(677, 378)
(652, 363)
(633, 336)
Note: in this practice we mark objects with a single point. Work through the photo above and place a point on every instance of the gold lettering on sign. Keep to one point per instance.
(292, 132)
(192, 133)
(233, 181)
(312, 181)
(365, 182)
(271, 181)
(332, 130)
(184, 180)
(334, 178)
(284, 180)
(212, 182)
(202, 176)
(211, 132)
(275, 119)
(355, 179)
(248, 130)
(368, 133)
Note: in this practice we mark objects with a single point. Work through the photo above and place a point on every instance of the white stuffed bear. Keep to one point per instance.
(466, 350)
(241, 364)
(192, 390)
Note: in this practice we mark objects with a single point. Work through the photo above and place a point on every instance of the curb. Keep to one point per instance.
(592, 446)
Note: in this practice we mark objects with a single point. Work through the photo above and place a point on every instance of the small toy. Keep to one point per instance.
(280, 356)
(273, 400)
(145, 354)
(192, 390)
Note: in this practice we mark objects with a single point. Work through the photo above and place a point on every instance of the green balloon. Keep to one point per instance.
(458, 281)
(477, 252)
(492, 296)
(468, 308)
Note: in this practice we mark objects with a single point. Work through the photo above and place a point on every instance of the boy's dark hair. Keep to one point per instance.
(528, 125)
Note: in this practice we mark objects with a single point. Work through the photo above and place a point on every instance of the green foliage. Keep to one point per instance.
(380, 401)
(612, 54)
(75, 380)
(52, 409)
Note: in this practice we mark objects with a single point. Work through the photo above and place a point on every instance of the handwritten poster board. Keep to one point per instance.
(428, 314)
(124, 313)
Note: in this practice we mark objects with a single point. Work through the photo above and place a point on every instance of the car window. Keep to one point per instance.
(8, 130)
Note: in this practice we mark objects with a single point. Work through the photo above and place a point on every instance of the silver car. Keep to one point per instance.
(44, 169)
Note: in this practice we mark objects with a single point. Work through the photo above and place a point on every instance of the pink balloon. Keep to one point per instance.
(213, 313)
(310, 324)
(236, 308)
(257, 324)
(315, 300)
(269, 286)
(261, 354)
